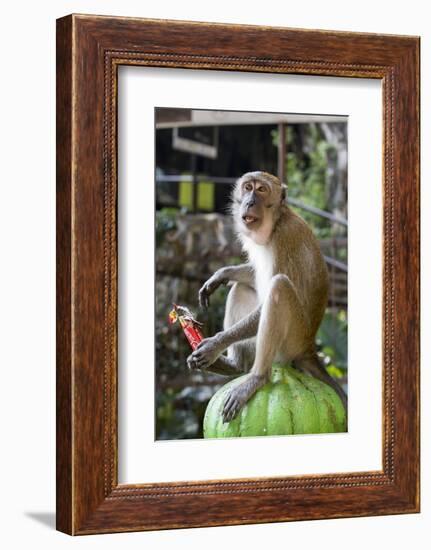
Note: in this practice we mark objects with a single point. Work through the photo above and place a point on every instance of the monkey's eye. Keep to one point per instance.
(261, 189)
(248, 187)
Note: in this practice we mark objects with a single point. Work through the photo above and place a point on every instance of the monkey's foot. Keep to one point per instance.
(239, 395)
(207, 353)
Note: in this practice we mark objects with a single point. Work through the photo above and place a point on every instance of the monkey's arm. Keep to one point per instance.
(241, 330)
(242, 273)
(223, 365)
(207, 356)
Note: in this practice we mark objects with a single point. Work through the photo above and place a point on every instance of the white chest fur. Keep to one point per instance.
(262, 259)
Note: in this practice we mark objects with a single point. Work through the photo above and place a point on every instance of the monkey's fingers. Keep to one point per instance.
(197, 361)
(201, 362)
(191, 363)
(204, 297)
(231, 408)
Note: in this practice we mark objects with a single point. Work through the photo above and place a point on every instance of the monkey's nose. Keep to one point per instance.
(251, 201)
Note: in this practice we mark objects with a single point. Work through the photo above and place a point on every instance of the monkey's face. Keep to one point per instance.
(257, 197)
(254, 196)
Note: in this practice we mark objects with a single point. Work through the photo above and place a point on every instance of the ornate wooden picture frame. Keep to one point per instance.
(89, 51)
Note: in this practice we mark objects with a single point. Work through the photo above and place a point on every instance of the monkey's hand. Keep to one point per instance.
(239, 395)
(207, 353)
(209, 287)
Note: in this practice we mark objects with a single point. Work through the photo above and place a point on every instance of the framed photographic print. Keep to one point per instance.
(237, 274)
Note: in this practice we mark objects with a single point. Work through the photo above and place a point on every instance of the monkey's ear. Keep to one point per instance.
(283, 192)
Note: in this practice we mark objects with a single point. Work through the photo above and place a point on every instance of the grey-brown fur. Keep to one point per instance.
(277, 300)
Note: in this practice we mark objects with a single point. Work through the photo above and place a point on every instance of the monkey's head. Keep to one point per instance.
(257, 199)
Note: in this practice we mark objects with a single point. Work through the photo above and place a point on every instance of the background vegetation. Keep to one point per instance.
(190, 248)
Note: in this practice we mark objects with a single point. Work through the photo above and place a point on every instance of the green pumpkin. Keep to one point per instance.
(290, 403)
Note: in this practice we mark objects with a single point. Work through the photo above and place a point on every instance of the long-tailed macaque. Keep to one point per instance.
(277, 299)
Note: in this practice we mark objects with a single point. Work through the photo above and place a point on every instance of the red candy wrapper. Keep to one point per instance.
(190, 326)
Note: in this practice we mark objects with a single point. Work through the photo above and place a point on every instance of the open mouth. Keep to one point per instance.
(249, 219)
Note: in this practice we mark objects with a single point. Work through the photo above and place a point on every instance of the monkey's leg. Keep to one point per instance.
(241, 301)
(310, 364)
(240, 322)
(282, 332)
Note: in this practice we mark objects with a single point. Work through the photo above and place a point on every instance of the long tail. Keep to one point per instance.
(312, 365)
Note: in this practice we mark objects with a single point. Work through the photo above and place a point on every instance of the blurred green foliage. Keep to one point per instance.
(165, 221)
(306, 174)
(332, 342)
(181, 396)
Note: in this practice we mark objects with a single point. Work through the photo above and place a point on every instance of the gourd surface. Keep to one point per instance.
(290, 403)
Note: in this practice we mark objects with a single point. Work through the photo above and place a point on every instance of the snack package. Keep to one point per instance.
(190, 326)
